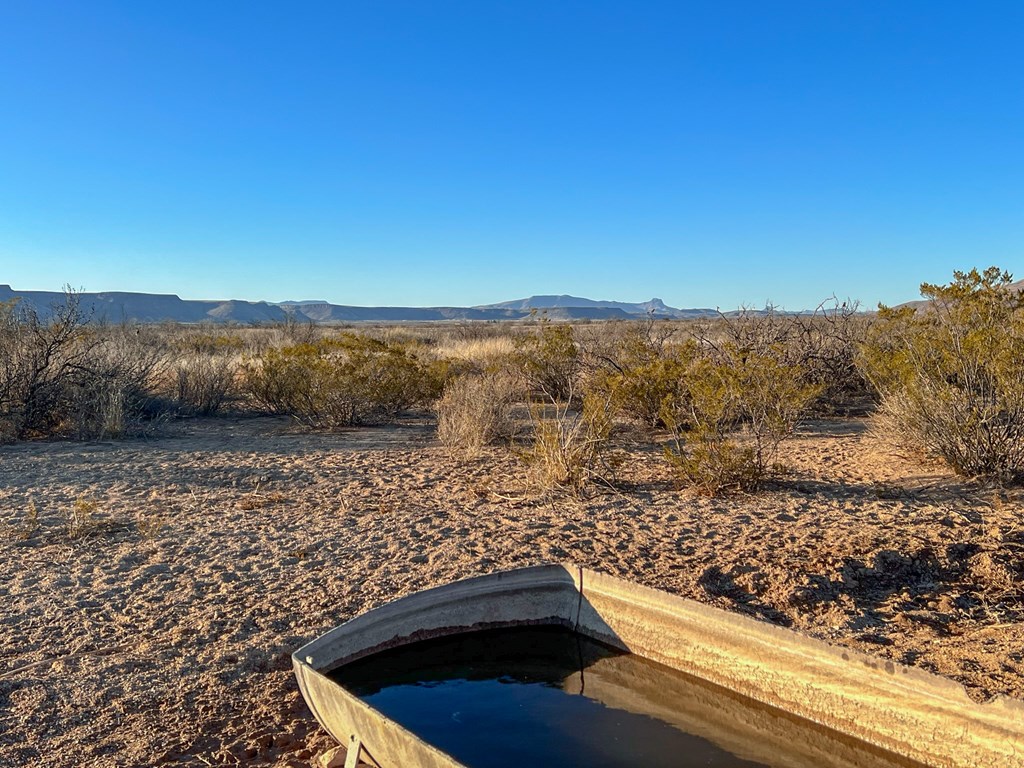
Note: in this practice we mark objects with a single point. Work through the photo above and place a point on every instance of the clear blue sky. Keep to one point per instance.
(424, 153)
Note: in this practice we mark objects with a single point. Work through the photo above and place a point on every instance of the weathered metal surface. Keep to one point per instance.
(926, 719)
(542, 595)
(905, 711)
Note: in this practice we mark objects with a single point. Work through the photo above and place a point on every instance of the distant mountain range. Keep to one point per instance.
(655, 307)
(115, 306)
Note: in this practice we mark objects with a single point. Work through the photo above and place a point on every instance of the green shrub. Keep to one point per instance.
(951, 374)
(741, 407)
(342, 381)
(647, 375)
(549, 360)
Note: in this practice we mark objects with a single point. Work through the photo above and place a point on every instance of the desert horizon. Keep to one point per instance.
(296, 326)
(185, 505)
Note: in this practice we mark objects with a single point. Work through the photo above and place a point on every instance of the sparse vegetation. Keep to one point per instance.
(726, 391)
(28, 526)
(584, 468)
(150, 525)
(82, 517)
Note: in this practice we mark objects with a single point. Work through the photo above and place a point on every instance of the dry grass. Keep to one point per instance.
(570, 446)
(475, 410)
(483, 354)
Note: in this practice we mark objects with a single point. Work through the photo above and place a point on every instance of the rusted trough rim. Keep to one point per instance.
(906, 711)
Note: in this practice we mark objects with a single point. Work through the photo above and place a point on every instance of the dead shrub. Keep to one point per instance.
(570, 447)
(61, 376)
(475, 410)
(112, 393)
(822, 345)
(826, 346)
(203, 382)
(37, 362)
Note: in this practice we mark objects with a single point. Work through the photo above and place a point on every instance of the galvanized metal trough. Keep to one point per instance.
(844, 704)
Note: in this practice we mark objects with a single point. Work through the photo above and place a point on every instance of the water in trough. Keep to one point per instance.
(549, 696)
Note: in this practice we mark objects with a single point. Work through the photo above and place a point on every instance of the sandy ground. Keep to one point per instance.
(160, 630)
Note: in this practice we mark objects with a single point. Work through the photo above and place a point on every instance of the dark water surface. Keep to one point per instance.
(547, 696)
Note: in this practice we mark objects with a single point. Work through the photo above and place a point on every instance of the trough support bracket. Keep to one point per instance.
(579, 600)
(352, 754)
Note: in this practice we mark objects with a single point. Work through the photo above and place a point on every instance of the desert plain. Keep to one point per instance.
(150, 602)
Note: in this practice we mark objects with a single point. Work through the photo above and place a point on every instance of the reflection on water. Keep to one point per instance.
(547, 696)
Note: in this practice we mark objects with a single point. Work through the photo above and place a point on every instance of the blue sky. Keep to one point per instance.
(425, 153)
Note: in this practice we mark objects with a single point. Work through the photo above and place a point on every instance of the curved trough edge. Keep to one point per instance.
(906, 711)
(544, 594)
(535, 595)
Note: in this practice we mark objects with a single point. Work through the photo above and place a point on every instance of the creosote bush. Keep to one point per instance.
(951, 374)
(739, 409)
(345, 380)
(646, 374)
(549, 359)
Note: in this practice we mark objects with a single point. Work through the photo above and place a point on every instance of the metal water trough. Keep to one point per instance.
(925, 719)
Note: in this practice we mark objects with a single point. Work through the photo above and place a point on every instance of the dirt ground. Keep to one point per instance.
(152, 622)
